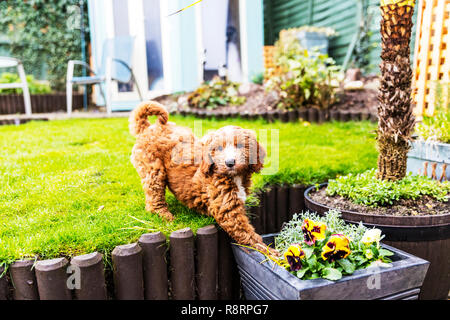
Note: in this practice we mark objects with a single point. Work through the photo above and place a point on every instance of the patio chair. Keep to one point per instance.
(115, 65)
(8, 62)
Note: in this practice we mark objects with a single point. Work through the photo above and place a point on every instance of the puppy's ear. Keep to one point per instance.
(207, 164)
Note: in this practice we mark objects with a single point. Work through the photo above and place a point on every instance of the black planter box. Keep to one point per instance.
(266, 281)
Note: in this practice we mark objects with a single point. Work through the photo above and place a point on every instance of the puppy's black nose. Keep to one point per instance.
(230, 163)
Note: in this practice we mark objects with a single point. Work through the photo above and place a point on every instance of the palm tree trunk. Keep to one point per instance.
(396, 120)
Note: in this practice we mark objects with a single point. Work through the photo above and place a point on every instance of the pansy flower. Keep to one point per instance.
(336, 248)
(293, 256)
(313, 231)
(371, 236)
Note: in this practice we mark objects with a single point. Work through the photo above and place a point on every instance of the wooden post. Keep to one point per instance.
(182, 264)
(296, 200)
(3, 285)
(271, 210)
(207, 262)
(154, 250)
(128, 275)
(282, 206)
(92, 277)
(24, 280)
(228, 273)
(51, 276)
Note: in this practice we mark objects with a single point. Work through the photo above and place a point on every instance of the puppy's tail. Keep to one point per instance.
(138, 121)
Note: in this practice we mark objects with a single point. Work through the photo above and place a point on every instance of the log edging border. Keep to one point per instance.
(137, 266)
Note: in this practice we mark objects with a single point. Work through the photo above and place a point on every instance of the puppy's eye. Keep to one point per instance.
(220, 148)
(239, 145)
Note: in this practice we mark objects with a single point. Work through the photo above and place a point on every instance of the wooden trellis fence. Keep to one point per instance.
(432, 54)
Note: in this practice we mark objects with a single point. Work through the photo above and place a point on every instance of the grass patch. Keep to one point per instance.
(68, 187)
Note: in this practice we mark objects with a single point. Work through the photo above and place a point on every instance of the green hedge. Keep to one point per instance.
(44, 34)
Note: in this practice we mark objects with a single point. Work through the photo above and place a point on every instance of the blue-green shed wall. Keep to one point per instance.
(340, 15)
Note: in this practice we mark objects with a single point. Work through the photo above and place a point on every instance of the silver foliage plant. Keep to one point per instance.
(292, 230)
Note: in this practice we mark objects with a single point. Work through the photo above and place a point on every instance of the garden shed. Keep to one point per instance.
(344, 16)
(177, 52)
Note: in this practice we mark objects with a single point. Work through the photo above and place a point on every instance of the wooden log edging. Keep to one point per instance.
(92, 285)
(312, 115)
(182, 264)
(154, 265)
(277, 205)
(189, 267)
(52, 279)
(24, 280)
(40, 103)
(128, 273)
(207, 263)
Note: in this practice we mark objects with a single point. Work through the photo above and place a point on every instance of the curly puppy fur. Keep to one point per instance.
(211, 175)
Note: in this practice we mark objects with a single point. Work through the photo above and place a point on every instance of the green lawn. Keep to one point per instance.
(68, 187)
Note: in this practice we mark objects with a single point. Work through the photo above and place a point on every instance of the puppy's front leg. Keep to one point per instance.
(230, 214)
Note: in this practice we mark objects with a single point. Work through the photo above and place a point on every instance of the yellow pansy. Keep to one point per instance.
(336, 248)
(313, 231)
(293, 256)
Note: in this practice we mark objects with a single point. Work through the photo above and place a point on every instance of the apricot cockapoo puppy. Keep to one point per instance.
(211, 175)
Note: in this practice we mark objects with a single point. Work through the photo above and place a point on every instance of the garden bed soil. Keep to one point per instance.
(259, 100)
(425, 205)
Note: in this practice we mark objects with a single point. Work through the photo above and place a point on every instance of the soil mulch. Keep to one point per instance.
(406, 207)
(259, 100)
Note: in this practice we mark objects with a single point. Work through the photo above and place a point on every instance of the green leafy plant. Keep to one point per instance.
(216, 93)
(45, 35)
(366, 189)
(326, 247)
(35, 87)
(436, 128)
(302, 78)
(258, 78)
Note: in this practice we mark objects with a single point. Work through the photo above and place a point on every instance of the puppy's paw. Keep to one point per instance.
(163, 213)
(166, 215)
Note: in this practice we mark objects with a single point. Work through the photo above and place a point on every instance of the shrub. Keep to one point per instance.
(326, 247)
(43, 32)
(303, 78)
(437, 127)
(35, 87)
(216, 93)
(366, 189)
